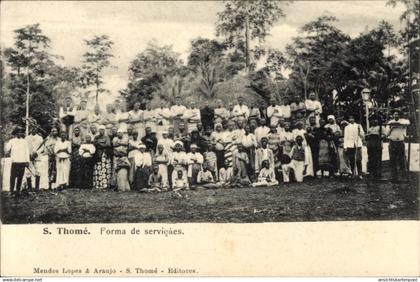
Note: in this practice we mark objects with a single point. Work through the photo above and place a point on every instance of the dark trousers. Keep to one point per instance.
(374, 160)
(355, 160)
(16, 175)
(397, 159)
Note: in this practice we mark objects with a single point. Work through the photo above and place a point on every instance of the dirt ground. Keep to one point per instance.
(314, 200)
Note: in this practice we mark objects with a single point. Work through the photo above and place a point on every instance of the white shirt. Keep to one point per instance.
(274, 113)
(397, 132)
(313, 106)
(142, 159)
(260, 132)
(195, 158)
(163, 115)
(249, 140)
(241, 111)
(62, 145)
(225, 175)
(149, 115)
(179, 158)
(221, 113)
(286, 111)
(193, 115)
(34, 142)
(19, 150)
(353, 134)
(167, 144)
(135, 116)
(178, 110)
(87, 150)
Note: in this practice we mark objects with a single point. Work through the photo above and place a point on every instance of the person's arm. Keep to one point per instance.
(200, 159)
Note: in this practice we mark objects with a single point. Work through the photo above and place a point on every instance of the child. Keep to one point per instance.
(266, 177)
(298, 161)
(162, 160)
(180, 182)
(179, 161)
(210, 159)
(240, 167)
(195, 161)
(263, 153)
(155, 181)
(225, 175)
(205, 178)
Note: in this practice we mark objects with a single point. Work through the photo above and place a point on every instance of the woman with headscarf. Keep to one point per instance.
(121, 162)
(161, 159)
(62, 150)
(300, 131)
(76, 161)
(103, 166)
(143, 161)
(326, 149)
(216, 139)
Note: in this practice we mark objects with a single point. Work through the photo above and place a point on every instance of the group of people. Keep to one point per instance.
(179, 147)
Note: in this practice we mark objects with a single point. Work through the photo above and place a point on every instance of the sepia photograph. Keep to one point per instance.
(209, 111)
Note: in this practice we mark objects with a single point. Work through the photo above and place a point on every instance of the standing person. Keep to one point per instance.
(87, 153)
(110, 118)
(298, 161)
(240, 111)
(313, 107)
(66, 114)
(198, 140)
(133, 147)
(261, 131)
(210, 159)
(135, 118)
(19, 154)
(217, 140)
(76, 162)
(263, 153)
(81, 118)
(62, 152)
(122, 118)
(240, 165)
(274, 140)
(207, 115)
(179, 162)
(374, 148)
(161, 159)
(177, 111)
(166, 142)
(300, 131)
(121, 162)
(95, 118)
(195, 162)
(149, 140)
(192, 117)
(103, 169)
(163, 116)
(143, 161)
(397, 132)
(254, 112)
(274, 112)
(35, 142)
(285, 109)
(327, 153)
(52, 163)
(230, 142)
(249, 142)
(221, 114)
(149, 116)
(353, 141)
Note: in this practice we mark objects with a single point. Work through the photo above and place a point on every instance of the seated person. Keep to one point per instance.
(298, 161)
(205, 178)
(266, 177)
(226, 175)
(180, 182)
(155, 180)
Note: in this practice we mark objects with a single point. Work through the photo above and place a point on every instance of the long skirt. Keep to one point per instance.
(310, 167)
(163, 171)
(324, 156)
(344, 166)
(251, 156)
(122, 179)
(132, 171)
(193, 171)
(141, 178)
(75, 170)
(220, 155)
(86, 176)
(52, 169)
(139, 127)
(102, 173)
(63, 171)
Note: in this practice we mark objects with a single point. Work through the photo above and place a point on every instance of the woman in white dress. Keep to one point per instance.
(62, 150)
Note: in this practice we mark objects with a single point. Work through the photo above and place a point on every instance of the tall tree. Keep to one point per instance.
(95, 60)
(29, 61)
(410, 17)
(147, 72)
(242, 22)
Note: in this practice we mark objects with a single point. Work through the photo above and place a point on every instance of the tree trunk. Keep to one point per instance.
(247, 60)
(27, 105)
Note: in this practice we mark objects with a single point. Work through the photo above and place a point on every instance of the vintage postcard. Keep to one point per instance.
(210, 138)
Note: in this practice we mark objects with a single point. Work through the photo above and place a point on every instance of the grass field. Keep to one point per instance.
(315, 200)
